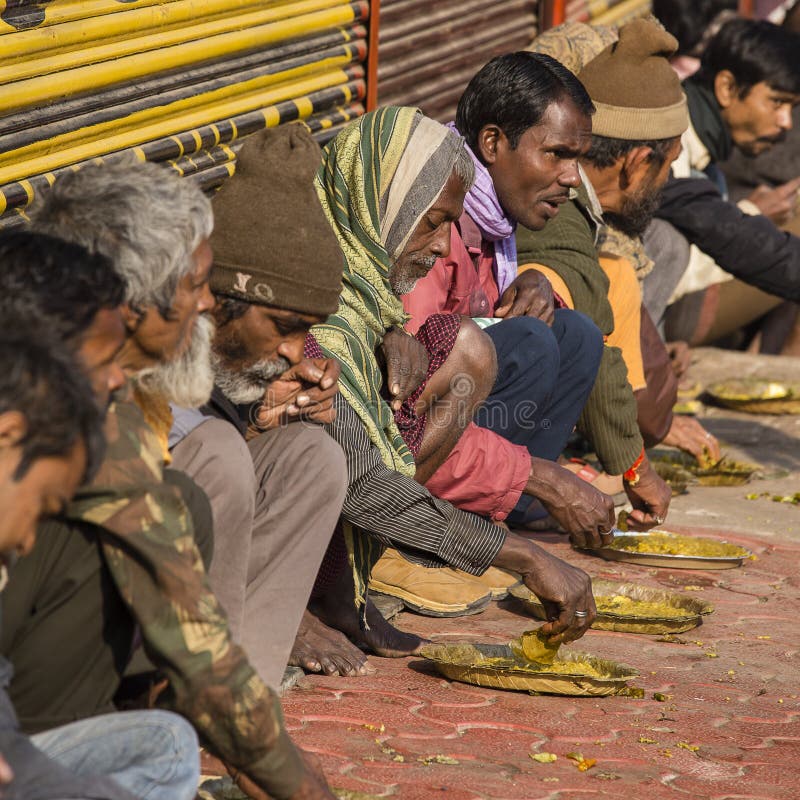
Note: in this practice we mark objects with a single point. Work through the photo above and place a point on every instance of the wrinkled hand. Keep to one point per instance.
(406, 365)
(780, 203)
(563, 590)
(650, 499)
(305, 391)
(313, 787)
(530, 295)
(680, 357)
(585, 513)
(687, 434)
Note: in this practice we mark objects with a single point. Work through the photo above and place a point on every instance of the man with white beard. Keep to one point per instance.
(125, 559)
(275, 479)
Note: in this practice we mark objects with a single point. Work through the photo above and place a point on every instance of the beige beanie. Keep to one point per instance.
(635, 90)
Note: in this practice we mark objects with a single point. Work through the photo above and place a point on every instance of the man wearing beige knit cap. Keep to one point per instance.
(641, 114)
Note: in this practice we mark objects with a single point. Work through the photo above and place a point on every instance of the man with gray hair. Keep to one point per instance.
(140, 566)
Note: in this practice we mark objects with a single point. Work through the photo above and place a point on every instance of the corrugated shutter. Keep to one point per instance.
(428, 51)
(177, 81)
(606, 12)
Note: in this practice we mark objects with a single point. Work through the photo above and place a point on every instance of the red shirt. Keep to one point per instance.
(484, 472)
(462, 283)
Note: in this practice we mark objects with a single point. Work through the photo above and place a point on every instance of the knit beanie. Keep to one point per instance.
(272, 243)
(636, 92)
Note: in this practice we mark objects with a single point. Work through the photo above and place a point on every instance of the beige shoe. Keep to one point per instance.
(498, 581)
(435, 592)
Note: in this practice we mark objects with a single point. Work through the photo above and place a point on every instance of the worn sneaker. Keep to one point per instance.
(435, 592)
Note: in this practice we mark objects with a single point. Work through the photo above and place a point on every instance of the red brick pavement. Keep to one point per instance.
(732, 683)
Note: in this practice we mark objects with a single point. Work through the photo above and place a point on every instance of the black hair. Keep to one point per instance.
(228, 309)
(754, 51)
(42, 381)
(58, 283)
(688, 20)
(514, 91)
(604, 151)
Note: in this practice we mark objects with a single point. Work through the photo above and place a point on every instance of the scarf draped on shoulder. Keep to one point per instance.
(378, 178)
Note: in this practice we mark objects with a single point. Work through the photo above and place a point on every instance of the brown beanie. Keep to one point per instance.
(272, 243)
(636, 92)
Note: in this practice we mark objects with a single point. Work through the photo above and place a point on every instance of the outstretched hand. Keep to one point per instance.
(650, 498)
(687, 434)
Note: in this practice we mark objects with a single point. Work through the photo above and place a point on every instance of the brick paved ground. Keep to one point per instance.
(729, 728)
(732, 684)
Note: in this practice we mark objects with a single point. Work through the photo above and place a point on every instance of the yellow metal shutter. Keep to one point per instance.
(174, 81)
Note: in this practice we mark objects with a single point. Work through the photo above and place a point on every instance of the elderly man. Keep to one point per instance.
(276, 489)
(594, 268)
(391, 185)
(51, 434)
(126, 553)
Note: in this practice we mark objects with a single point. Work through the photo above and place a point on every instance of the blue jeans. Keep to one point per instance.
(544, 377)
(151, 754)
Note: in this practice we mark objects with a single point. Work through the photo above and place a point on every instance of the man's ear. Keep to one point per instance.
(132, 317)
(13, 427)
(726, 90)
(635, 164)
(489, 138)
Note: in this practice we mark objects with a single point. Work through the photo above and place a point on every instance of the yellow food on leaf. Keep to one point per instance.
(535, 647)
(676, 545)
(628, 606)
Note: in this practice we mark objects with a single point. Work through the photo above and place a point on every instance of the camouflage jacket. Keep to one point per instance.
(146, 536)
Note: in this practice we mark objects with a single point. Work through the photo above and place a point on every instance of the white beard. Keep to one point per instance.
(247, 385)
(188, 380)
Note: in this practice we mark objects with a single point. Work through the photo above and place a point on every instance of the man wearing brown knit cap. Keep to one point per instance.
(275, 479)
(641, 114)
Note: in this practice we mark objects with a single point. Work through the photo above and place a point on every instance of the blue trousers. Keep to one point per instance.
(544, 377)
(151, 754)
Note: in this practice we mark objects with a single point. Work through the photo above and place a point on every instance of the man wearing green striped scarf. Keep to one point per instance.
(391, 185)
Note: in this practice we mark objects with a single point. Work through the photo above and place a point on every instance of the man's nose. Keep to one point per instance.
(291, 348)
(785, 117)
(570, 176)
(441, 243)
(206, 300)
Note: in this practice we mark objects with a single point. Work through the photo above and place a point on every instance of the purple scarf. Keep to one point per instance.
(482, 205)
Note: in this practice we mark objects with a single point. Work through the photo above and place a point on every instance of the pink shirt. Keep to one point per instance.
(484, 473)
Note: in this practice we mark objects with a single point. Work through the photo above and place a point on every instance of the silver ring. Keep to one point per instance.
(581, 614)
(659, 520)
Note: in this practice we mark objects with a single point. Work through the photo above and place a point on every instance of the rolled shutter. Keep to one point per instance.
(173, 81)
(428, 52)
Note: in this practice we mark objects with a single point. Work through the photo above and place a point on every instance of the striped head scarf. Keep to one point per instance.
(378, 178)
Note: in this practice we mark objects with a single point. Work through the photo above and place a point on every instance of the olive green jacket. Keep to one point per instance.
(568, 245)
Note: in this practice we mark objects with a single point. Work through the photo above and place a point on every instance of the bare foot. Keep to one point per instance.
(337, 610)
(318, 648)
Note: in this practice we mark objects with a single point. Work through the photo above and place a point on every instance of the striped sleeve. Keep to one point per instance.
(402, 513)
